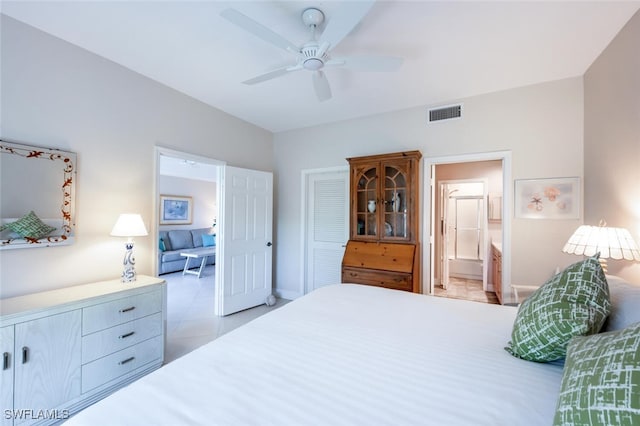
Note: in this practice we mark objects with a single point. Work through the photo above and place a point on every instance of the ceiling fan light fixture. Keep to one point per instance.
(313, 64)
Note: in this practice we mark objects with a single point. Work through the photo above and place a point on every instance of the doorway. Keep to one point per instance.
(462, 223)
(242, 218)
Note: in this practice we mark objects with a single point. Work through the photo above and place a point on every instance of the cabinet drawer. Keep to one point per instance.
(105, 369)
(109, 314)
(393, 280)
(105, 342)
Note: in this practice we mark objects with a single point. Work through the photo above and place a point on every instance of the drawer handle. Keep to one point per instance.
(5, 361)
(25, 354)
(129, 309)
(124, 361)
(124, 336)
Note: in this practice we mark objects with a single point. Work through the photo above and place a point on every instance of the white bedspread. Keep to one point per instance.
(348, 355)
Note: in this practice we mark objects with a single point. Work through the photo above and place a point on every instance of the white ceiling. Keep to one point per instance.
(188, 169)
(451, 50)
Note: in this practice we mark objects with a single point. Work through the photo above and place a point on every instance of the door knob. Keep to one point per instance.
(269, 244)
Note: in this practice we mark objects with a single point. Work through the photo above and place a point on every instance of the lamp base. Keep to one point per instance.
(129, 272)
(603, 263)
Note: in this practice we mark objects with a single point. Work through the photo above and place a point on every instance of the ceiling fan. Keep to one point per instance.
(314, 55)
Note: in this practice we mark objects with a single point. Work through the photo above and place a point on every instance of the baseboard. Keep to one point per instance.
(287, 294)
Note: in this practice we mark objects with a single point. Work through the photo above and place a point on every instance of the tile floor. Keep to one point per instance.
(190, 319)
(460, 288)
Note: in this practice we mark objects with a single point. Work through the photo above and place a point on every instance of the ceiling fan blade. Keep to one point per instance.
(345, 19)
(272, 74)
(368, 63)
(258, 30)
(321, 86)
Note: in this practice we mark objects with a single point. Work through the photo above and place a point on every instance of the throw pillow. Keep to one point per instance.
(601, 380)
(30, 226)
(572, 303)
(162, 247)
(208, 240)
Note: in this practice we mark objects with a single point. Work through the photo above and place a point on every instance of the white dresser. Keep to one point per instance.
(64, 349)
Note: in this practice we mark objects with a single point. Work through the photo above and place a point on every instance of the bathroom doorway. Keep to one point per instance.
(461, 237)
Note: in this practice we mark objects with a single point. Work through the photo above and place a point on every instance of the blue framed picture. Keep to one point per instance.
(175, 210)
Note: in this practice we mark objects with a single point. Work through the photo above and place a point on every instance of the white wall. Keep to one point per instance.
(612, 139)
(57, 95)
(542, 125)
(203, 195)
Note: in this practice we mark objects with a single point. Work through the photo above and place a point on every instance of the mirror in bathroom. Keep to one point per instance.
(495, 207)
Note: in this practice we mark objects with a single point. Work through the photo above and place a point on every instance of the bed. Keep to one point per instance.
(348, 354)
(352, 354)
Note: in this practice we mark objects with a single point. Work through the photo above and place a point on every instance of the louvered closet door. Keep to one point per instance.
(327, 227)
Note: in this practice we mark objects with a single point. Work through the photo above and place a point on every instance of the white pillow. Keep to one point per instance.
(625, 304)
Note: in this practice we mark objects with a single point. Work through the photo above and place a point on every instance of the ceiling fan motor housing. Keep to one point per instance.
(311, 60)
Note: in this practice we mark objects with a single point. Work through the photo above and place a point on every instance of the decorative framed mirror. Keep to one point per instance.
(37, 196)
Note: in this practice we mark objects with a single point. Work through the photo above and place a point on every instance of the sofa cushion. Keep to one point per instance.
(208, 240)
(197, 235)
(180, 239)
(170, 256)
(164, 236)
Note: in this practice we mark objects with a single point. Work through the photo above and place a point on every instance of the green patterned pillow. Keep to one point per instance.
(601, 380)
(30, 226)
(574, 302)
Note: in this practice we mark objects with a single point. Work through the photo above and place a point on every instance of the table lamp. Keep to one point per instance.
(611, 243)
(129, 225)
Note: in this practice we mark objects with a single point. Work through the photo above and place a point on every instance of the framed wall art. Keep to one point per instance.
(176, 210)
(554, 198)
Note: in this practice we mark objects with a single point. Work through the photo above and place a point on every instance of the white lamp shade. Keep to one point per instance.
(129, 225)
(611, 243)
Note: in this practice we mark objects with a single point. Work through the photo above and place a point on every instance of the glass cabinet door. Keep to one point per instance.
(395, 193)
(367, 201)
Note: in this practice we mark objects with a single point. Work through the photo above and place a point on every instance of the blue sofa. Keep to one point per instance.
(177, 241)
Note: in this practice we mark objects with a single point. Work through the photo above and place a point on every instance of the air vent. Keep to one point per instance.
(445, 113)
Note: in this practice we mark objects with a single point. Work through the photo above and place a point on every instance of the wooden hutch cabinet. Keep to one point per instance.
(384, 244)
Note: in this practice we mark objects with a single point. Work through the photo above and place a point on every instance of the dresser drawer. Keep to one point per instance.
(105, 342)
(105, 369)
(393, 280)
(109, 314)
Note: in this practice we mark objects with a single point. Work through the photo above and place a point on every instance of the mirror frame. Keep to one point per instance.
(67, 165)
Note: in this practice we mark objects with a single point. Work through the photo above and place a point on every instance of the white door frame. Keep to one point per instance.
(304, 222)
(429, 228)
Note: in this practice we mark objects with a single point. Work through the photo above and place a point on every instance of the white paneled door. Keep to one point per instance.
(327, 230)
(245, 251)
